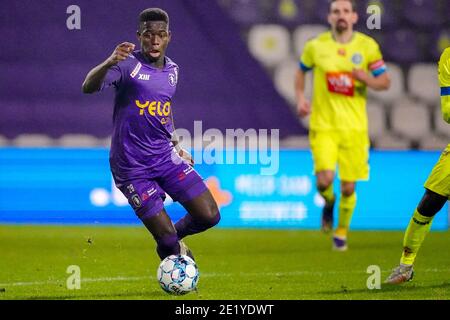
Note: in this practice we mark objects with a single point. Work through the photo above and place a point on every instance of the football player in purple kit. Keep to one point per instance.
(146, 159)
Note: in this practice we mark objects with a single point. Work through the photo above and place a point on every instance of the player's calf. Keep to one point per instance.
(189, 225)
(327, 216)
(203, 213)
(325, 188)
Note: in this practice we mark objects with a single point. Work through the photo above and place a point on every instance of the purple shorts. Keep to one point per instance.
(146, 195)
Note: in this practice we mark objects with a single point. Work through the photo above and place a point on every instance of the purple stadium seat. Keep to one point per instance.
(438, 41)
(422, 13)
(247, 12)
(402, 46)
(445, 7)
(31, 14)
(77, 45)
(65, 116)
(22, 81)
(291, 13)
(15, 43)
(42, 81)
(15, 116)
(320, 11)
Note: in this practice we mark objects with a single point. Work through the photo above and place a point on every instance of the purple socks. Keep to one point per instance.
(167, 245)
(187, 225)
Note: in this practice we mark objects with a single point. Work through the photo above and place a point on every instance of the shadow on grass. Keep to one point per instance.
(407, 287)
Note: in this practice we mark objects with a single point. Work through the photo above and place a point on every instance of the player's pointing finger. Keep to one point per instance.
(126, 45)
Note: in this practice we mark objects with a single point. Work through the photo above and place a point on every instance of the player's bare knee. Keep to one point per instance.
(215, 219)
(347, 189)
(323, 182)
(212, 214)
(348, 192)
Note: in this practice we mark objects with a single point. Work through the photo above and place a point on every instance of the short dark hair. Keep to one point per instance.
(353, 2)
(153, 14)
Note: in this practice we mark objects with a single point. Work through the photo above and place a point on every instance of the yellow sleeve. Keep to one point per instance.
(307, 57)
(444, 82)
(374, 52)
(375, 60)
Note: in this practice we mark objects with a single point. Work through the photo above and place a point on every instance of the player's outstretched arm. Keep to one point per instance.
(95, 77)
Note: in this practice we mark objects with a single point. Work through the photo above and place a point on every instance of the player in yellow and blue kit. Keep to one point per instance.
(344, 63)
(437, 190)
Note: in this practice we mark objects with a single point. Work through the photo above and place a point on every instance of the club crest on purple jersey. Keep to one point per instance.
(172, 79)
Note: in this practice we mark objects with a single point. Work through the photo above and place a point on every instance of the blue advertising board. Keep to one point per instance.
(70, 186)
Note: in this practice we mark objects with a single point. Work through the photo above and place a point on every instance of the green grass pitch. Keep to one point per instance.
(120, 263)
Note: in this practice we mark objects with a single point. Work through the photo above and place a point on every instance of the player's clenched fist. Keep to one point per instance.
(303, 108)
(186, 156)
(360, 75)
(121, 52)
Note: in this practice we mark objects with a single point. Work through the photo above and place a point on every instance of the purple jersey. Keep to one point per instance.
(142, 114)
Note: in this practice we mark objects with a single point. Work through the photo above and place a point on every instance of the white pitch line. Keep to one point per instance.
(56, 282)
(207, 275)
